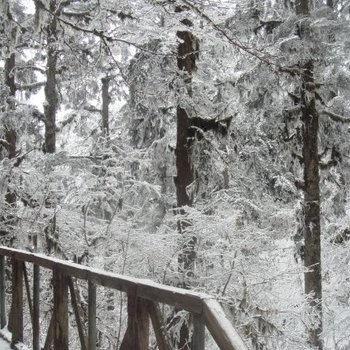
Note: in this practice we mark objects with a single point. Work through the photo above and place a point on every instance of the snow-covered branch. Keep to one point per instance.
(41, 70)
(31, 86)
(336, 117)
(101, 34)
(66, 122)
(261, 56)
(4, 143)
(232, 41)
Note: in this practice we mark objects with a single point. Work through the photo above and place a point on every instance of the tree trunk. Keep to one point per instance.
(330, 3)
(186, 61)
(312, 227)
(10, 133)
(302, 7)
(10, 63)
(50, 107)
(105, 106)
(51, 95)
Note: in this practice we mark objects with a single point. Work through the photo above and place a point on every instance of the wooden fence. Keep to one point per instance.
(143, 298)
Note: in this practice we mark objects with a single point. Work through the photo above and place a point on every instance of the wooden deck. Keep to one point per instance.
(143, 309)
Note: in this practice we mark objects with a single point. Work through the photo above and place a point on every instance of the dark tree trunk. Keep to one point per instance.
(330, 3)
(10, 133)
(302, 7)
(10, 63)
(51, 103)
(105, 106)
(50, 106)
(186, 61)
(312, 227)
(184, 166)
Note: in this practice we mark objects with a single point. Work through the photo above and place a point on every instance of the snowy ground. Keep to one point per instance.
(4, 345)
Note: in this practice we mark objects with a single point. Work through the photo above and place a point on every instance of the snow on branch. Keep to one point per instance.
(41, 70)
(101, 34)
(32, 86)
(236, 43)
(4, 143)
(336, 117)
(66, 122)
(263, 57)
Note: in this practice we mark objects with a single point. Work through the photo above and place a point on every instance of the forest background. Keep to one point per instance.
(202, 144)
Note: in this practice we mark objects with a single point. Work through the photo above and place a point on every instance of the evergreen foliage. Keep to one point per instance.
(107, 197)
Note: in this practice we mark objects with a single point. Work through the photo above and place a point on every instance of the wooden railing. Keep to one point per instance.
(143, 298)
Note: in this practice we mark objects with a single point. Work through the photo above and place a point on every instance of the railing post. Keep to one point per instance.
(76, 309)
(2, 292)
(198, 337)
(158, 326)
(26, 283)
(36, 307)
(60, 297)
(16, 321)
(50, 334)
(225, 336)
(92, 316)
(137, 333)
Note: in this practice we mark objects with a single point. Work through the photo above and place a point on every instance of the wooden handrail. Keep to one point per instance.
(204, 308)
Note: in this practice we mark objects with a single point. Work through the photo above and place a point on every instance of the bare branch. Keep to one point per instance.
(92, 109)
(115, 61)
(76, 14)
(19, 159)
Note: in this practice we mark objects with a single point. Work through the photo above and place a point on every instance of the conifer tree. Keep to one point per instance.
(312, 201)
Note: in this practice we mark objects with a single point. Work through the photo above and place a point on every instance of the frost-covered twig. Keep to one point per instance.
(101, 34)
(263, 57)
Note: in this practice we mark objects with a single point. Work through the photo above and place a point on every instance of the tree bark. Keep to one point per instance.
(105, 105)
(302, 7)
(137, 333)
(60, 313)
(10, 64)
(51, 103)
(186, 61)
(330, 3)
(10, 132)
(312, 226)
